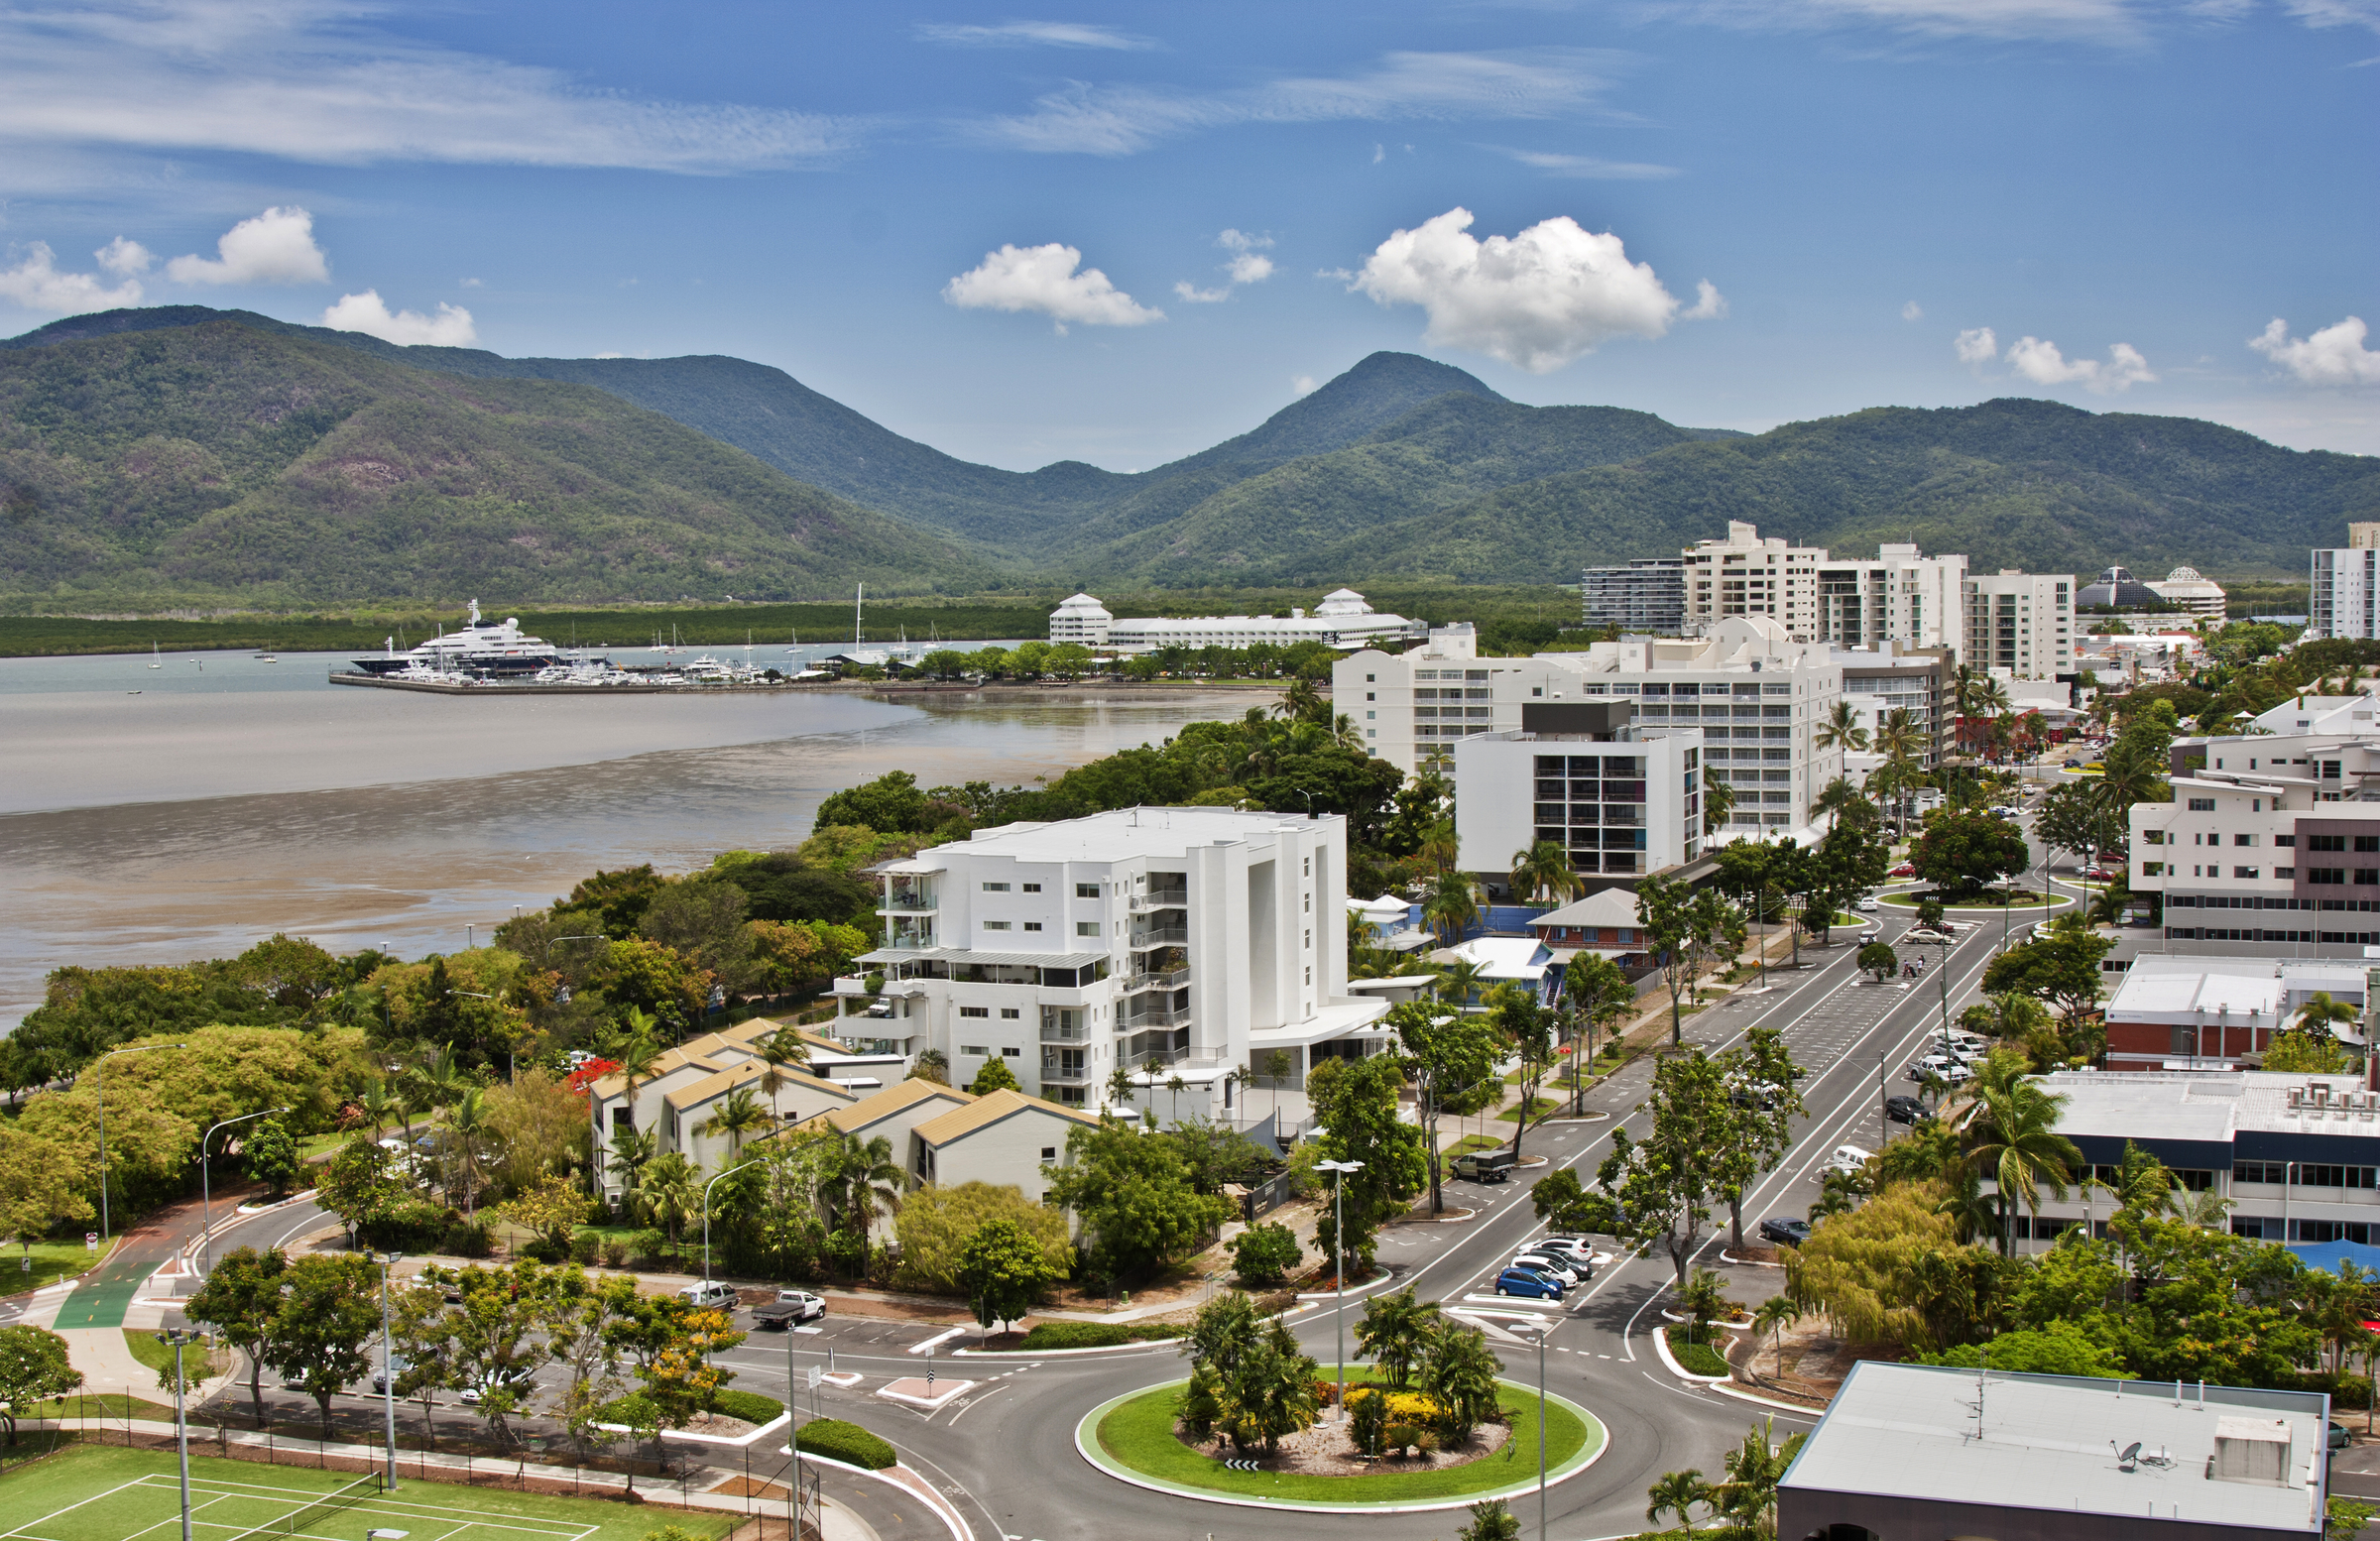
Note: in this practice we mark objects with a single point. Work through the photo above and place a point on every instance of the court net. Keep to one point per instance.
(298, 1520)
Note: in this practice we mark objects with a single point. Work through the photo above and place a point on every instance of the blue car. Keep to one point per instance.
(1529, 1282)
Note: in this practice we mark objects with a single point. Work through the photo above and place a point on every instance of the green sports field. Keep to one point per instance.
(100, 1494)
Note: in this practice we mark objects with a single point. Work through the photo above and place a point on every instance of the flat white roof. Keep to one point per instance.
(2052, 1442)
(2219, 994)
(1126, 834)
(2212, 1106)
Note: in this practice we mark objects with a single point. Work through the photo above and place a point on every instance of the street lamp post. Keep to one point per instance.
(174, 1338)
(793, 1441)
(388, 1364)
(1339, 1171)
(206, 1206)
(100, 1070)
(706, 1215)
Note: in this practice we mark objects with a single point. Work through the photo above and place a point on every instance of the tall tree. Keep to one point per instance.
(330, 1309)
(1542, 873)
(1355, 1101)
(1527, 1030)
(1662, 1185)
(1664, 912)
(240, 1300)
(1002, 1270)
(1448, 1057)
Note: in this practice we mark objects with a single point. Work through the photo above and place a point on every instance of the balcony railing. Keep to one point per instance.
(1159, 936)
(1162, 1016)
(1065, 1075)
(1053, 1032)
(1170, 979)
(1148, 1058)
(1160, 899)
(907, 900)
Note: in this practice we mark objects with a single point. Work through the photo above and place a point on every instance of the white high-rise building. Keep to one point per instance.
(1169, 941)
(2020, 623)
(1621, 801)
(1900, 597)
(2345, 601)
(1745, 576)
(1758, 694)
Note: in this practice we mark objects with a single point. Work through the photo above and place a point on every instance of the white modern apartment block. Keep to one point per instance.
(1745, 576)
(1080, 619)
(2345, 601)
(1900, 598)
(1757, 695)
(1169, 941)
(2194, 594)
(2020, 623)
(1344, 619)
(1623, 802)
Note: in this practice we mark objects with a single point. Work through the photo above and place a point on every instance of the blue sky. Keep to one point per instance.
(1120, 232)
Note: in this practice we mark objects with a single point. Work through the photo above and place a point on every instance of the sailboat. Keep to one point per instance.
(155, 660)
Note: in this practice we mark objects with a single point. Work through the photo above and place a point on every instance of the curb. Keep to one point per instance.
(1086, 1441)
(1669, 1361)
(1042, 1354)
(1746, 1263)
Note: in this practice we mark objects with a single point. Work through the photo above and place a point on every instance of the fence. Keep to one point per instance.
(1266, 1196)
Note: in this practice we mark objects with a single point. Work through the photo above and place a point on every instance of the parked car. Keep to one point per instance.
(1849, 1160)
(1784, 1231)
(1577, 1253)
(721, 1295)
(2003, 811)
(1906, 1109)
(517, 1381)
(2100, 875)
(1932, 1064)
(2339, 1436)
(1905, 869)
(790, 1306)
(380, 1378)
(2073, 764)
(1528, 1283)
(1485, 1166)
(1549, 1265)
(1866, 903)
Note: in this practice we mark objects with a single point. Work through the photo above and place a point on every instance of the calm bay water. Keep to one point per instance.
(230, 798)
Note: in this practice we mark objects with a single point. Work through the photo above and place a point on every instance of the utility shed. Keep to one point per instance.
(1921, 1449)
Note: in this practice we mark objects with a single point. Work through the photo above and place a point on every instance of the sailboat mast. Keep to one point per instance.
(859, 604)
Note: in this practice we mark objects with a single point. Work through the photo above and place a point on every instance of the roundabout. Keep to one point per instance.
(1133, 1439)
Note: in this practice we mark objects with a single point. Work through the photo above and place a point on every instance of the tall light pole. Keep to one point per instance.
(1339, 1171)
(388, 1364)
(706, 1215)
(174, 1338)
(1545, 1330)
(792, 1439)
(101, 1071)
(206, 1204)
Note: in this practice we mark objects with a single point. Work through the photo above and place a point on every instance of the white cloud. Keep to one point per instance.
(311, 80)
(276, 247)
(1249, 264)
(1043, 279)
(1380, 153)
(1537, 300)
(1586, 167)
(367, 313)
(1303, 385)
(471, 284)
(2040, 362)
(1708, 304)
(1976, 345)
(2334, 356)
(1913, 312)
(1008, 34)
(2110, 23)
(1191, 294)
(125, 259)
(35, 283)
(2336, 13)
(1122, 120)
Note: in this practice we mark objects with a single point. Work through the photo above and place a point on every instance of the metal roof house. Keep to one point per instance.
(1922, 1450)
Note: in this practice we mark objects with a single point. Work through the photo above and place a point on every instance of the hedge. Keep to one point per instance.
(750, 1407)
(1694, 1357)
(1099, 1335)
(845, 1442)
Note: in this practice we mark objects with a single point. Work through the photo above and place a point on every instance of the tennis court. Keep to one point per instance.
(115, 1494)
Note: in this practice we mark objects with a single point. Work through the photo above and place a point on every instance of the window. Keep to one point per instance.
(2244, 871)
(1032, 925)
(1310, 938)
(1086, 929)
(1309, 903)
(1029, 888)
(1309, 867)
(996, 888)
(2325, 842)
(2243, 840)
(2367, 842)
(2285, 872)
(2367, 874)
(2201, 804)
(1008, 1053)
(1086, 891)
(974, 1010)
(2285, 840)
(1050, 1152)
(977, 1049)
(995, 925)
(1009, 1013)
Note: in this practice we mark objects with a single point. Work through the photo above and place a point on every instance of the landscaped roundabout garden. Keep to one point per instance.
(1981, 898)
(1139, 1437)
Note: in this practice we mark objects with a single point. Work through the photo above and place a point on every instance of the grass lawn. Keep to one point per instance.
(97, 1493)
(1470, 1142)
(1140, 1434)
(157, 1355)
(109, 1404)
(1539, 1106)
(1990, 899)
(51, 1261)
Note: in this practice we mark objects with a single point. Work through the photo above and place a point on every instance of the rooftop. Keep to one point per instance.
(988, 1110)
(1120, 836)
(2209, 1105)
(1612, 907)
(2004, 1441)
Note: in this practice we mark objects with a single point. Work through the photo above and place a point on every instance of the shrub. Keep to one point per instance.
(2346, 1391)
(1367, 1421)
(649, 1246)
(1097, 1334)
(1263, 1255)
(1401, 1436)
(467, 1238)
(543, 1249)
(845, 1442)
(1696, 1358)
(935, 1224)
(750, 1407)
(1395, 1406)
(410, 1225)
(615, 1255)
(585, 1247)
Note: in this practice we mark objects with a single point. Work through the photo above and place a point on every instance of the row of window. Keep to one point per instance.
(1081, 889)
(2216, 933)
(2309, 1174)
(2266, 902)
(1452, 695)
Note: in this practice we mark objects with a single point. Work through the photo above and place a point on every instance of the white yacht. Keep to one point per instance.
(484, 649)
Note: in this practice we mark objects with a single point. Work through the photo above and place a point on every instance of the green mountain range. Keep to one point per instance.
(135, 454)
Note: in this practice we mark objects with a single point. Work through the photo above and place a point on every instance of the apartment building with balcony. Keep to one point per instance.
(1898, 599)
(2297, 1156)
(1164, 941)
(1646, 595)
(1745, 576)
(2346, 598)
(1623, 801)
(2020, 623)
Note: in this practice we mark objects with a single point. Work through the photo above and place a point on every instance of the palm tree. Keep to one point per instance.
(1841, 729)
(779, 1051)
(1544, 869)
(1346, 734)
(1775, 1314)
(469, 1130)
(1970, 1210)
(436, 1082)
(2014, 1129)
(739, 1114)
(1458, 983)
(377, 1105)
(671, 1193)
(1439, 845)
(861, 1184)
(932, 1065)
(629, 1155)
(1394, 1330)
(1718, 802)
(1301, 702)
(1899, 739)
(1676, 1494)
(1749, 1495)
(1453, 906)
(1838, 796)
